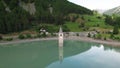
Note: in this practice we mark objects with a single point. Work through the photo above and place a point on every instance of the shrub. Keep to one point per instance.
(28, 36)
(77, 34)
(85, 28)
(89, 35)
(1, 37)
(116, 30)
(94, 36)
(89, 20)
(82, 18)
(99, 17)
(116, 38)
(8, 39)
(21, 36)
(105, 38)
(97, 25)
(65, 28)
(99, 36)
(81, 25)
(111, 36)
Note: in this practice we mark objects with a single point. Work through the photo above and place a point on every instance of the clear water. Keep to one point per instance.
(47, 54)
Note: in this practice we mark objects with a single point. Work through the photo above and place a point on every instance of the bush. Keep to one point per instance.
(99, 36)
(85, 28)
(77, 34)
(82, 18)
(8, 39)
(28, 36)
(111, 36)
(1, 37)
(81, 25)
(99, 17)
(65, 28)
(97, 25)
(105, 38)
(116, 38)
(89, 20)
(21, 36)
(116, 30)
(89, 35)
(94, 36)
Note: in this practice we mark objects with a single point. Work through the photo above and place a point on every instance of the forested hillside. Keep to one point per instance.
(18, 15)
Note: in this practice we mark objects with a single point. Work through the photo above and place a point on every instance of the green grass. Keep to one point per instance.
(106, 35)
(93, 21)
(73, 27)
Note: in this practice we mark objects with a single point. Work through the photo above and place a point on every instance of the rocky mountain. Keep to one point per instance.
(112, 11)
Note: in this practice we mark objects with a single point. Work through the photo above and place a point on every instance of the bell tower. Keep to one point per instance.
(60, 34)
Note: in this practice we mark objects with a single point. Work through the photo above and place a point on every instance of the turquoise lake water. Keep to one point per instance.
(47, 54)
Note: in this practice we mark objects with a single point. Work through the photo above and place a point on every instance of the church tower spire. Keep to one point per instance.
(60, 34)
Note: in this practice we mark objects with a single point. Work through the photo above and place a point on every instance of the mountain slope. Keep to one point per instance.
(42, 6)
(24, 13)
(115, 11)
(60, 7)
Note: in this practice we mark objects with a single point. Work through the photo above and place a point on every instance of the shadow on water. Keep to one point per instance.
(40, 54)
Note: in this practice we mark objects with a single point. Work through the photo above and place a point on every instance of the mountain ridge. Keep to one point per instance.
(115, 11)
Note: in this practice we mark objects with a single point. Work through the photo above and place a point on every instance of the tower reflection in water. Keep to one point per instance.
(60, 41)
(61, 54)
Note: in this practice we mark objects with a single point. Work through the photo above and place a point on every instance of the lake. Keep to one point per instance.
(47, 54)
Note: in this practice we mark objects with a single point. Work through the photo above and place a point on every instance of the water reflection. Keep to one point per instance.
(95, 57)
(61, 54)
(44, 54)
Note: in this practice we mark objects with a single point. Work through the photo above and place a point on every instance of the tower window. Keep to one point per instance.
(60, 34)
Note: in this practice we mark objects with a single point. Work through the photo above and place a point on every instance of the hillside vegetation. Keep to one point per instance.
(16, 15)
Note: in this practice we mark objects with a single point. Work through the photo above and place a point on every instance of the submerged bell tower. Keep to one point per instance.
(60, 38)
(60, 44)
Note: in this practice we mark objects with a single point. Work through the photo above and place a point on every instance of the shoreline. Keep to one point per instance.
(26, 40)
(85, 39)
(103, 42)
